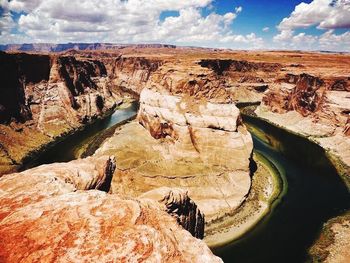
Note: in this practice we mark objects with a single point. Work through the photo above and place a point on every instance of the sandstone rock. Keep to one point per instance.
(177, 154)
(341, 84)
(315, 108)
(305, 96)
(130, 73)
(213, 130)
(15, 72)
(223, 65)
(197, 146)
(178, 204)
(46, 216)
(333, 245)
(46, 97)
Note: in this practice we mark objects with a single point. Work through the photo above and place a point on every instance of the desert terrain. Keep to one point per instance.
(185, 168)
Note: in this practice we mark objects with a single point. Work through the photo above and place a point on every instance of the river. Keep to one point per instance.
(315, 191)
(76, 145)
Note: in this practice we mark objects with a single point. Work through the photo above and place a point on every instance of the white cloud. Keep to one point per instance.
(20, 5)
(6, 22)
(331, 41)
(138, 21)
(250, 40)
(289, 40)
(327, 41)
(238, 9)
(284, 35)
(325, 14)
(121, 22)
(303, 39)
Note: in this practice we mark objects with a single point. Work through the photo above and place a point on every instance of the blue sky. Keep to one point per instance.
(236, 24)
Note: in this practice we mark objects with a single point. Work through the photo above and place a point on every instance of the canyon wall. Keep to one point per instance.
(308, 98)
(44, 98)
(188, 136)
(191, 137)
(58, 213)
(316, 108)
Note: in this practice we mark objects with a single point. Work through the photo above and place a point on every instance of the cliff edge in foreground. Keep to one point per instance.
(57, 213)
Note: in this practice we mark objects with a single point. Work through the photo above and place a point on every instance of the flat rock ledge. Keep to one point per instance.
(58, 213)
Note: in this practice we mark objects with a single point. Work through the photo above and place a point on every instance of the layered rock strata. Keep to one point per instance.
(43, 98)
(314, 108)
(302, 97)
(197, 146)
(306, 93)
(47, 214)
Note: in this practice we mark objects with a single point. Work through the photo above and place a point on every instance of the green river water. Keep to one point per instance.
(315, 191)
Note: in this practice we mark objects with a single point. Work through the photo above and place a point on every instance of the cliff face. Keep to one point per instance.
(53, 213)
(186, 141)
(15, 72)
(131, 74)
(214, 131)
(305, 93)
(306, 97)
(224, 66)
(315, 107)
(188, 137)
(45, 97)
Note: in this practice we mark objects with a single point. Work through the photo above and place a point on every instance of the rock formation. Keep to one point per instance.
(46, 97)
(333, 245)
(132, 74)
(214, 131)
(179, 205)
(191, 137)
(306, 97)
(313, 107)
(194, 145)
(221, 66)
(47, 214)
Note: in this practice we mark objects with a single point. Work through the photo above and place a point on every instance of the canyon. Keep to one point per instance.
(184, 166)
(53, 213)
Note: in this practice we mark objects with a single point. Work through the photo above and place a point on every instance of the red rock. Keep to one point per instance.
(48, 214)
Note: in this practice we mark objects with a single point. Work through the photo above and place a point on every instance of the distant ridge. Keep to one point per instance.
(49, 47)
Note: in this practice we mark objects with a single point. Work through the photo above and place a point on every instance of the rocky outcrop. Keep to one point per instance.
(214, 131)
(315, 108)
(179, 205)
(191, 136)
(333, 245)
(342, 84)
(197, 146)
(131, 74)
(47, 214)
(305, 97)
(221, 66)
(44, 98)
(15, 72)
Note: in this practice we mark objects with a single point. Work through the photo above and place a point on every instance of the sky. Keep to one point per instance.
(235, 24)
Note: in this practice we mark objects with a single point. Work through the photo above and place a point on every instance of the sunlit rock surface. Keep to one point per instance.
(200, 147)
(307, 93)
(52, 213)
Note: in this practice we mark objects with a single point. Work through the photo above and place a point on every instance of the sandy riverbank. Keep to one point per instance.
(267, 187)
